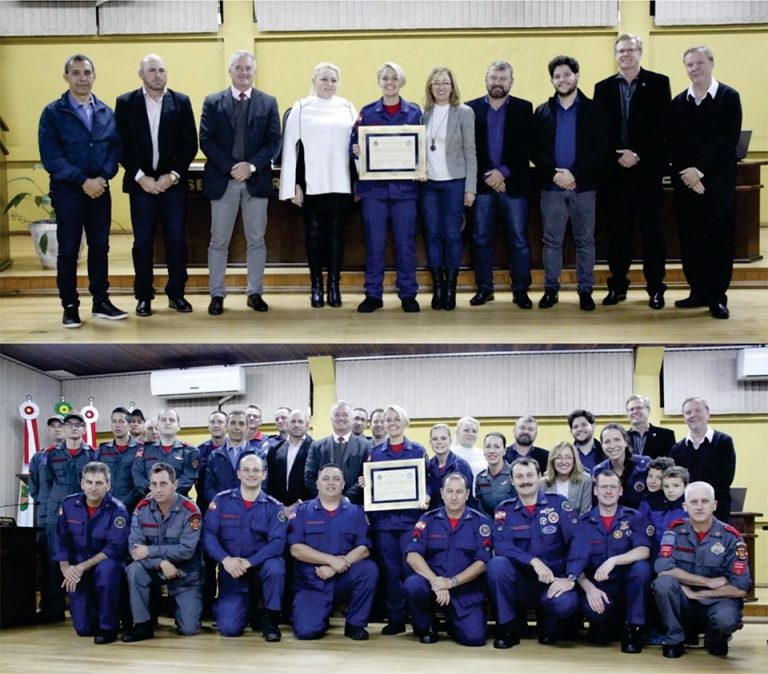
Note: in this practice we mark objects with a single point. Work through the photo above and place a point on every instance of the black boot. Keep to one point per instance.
(313, 237)
(334, 292)
(335, 249)
(437, 288)
(316, 294)
(270, 628)
(449, 289)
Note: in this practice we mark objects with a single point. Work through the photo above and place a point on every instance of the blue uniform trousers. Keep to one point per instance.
(189, 599)
(231, 609)
(377, 213)
(390, 556)
(468, 629)
(629, 589)
(311, 608)
(510, 589)
(721, 616)
(95, 603)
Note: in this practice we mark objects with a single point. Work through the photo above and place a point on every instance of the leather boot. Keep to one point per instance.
(437, 288)
(314, 258)
(335, 255)
(316, 294)
(449, 295)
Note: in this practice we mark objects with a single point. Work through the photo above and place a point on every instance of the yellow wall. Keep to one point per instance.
(197, 66)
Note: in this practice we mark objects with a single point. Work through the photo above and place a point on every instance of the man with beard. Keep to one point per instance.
(582, 425)
(503, 130)
(569, 154)
(136, 424)
(526, 430)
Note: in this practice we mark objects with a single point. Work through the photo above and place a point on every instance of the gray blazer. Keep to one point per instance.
(320, 453)
(460, 152)
(579, 494)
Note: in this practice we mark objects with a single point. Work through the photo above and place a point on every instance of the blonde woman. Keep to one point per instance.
(566, 476)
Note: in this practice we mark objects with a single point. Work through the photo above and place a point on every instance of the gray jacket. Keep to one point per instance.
(460, 152)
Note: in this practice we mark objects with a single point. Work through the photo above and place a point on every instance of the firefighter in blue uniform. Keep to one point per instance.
(165, 547)
(91, 548)
(184, 458)
(538, 557)
(494, 484)
(220, 470)
(392, 528)
(245, 532)
(328, 538)
(703, 575)
(449, 549)
(631, 468)
(444, 462)
(617, 575)
(119, 454)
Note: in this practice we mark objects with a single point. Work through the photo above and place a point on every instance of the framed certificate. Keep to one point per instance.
(392, 152)
(395, 485)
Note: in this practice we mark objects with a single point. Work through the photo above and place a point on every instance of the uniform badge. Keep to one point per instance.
(281, 516)
(650, 530)
(195, 463)
(739, 568)
(542, 521)
(639, 486)
(212, 505)
(178, 457)
(624, 524)
(666, 551)
(195, 522)
(618, 534)
(741, 550)
(549, 529)
(553, 517)
(567, 506)
(717, 549)
(484, 530)
(500, 515)
(546, 511)
(421, 524)
(119, 522)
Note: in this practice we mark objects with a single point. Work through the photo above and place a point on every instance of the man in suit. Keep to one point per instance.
(341, 448)
(503, 126)
(635, 103)
(287, 460)
(239, 134)
(646, 438)
(157, 129)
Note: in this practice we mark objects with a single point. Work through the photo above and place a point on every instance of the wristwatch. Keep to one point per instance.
(174, 177)
(571, 577)
(454, 582)
(252, 167)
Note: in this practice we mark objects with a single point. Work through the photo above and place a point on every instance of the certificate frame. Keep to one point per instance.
(411, 150)
(412, 471)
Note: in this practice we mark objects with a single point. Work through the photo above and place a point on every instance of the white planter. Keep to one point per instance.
(43, 234)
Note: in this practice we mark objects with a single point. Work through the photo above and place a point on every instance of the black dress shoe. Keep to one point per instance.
(656, 300)
(355, 632)
(410, 305)
(334, 293)
(549, 299)
(105, 309)
(71, 318)
(216, 307)
(597, 634)
(105, 637)
(393, 628)
(48, 618)
(369, 305)
(719, 310)
(673, 650)
(505, 636)
(256, 303)
(521, 299)
(140, 632)
(547, 639)
(429, 638)
(690, 302)
(180, 304)
(716, 644)
(144, 308)
(631, 641)
(481, 297)
(586, 303)
(614, 297)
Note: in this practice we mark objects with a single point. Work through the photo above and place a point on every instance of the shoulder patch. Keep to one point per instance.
(650, 530)
(195, 522)
(567, 506)
(484, 530)
(195, 463)
(741, 550)
(119, 522)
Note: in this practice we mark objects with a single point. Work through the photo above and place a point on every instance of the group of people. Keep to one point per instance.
(279, 519)
(618, 146)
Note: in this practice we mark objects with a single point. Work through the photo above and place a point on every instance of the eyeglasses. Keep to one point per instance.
(74, 424)
(608, 487)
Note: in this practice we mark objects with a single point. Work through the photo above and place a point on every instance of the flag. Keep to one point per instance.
(29, 412)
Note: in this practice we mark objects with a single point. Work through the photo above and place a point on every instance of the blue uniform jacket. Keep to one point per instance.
(37, 483)
(121, 470)
(630, 530)
(723, 552)
(632, 481)
(550, 534)
(175, 538)
(220, 474)
(397, 520)
(449, 552)
(62, 476)
(660, 513)
(334, 533)
(435, 475)
(374, 114)
(255, 534)
(70, 153)
(184, 458)
(79, 537)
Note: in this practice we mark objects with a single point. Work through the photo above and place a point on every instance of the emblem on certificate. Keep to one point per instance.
(395, 485)
(392, 152)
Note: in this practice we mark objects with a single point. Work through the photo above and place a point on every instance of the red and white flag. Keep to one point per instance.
(29, 412)
(91, 416)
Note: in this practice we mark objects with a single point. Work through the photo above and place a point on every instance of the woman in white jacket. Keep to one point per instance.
(316, 176)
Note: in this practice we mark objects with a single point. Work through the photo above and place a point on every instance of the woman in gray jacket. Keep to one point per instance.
(566, 476)
(451, 181)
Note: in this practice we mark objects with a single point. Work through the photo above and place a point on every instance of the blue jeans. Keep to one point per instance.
(514, 211)
(442, 208)
(557, 207)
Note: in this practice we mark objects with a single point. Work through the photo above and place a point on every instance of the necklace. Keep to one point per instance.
(435, 131)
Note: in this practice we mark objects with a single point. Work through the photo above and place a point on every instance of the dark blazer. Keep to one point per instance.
(658, 441)
(217, 137)
(538, 454)
(647, 123)
(590, 143)
(356, 454)
(276, 466)
(177, 137)
(515, 155)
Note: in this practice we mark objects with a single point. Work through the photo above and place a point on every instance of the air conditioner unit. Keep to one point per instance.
(198, 382)
(752, 364)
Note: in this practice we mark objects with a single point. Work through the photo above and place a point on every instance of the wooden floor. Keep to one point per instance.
(43, 650)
